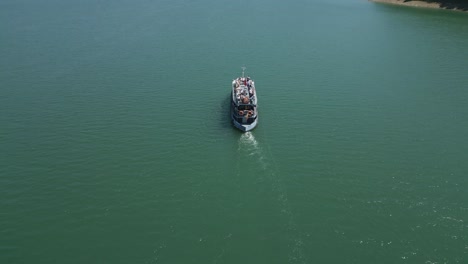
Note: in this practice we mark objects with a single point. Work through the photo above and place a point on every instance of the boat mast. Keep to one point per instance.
(243, 69)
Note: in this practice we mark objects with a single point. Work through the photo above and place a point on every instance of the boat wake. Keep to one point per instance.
(261, 153)
(249, 145)
(249, 139)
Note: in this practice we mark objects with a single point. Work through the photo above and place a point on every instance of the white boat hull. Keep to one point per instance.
(245, 127)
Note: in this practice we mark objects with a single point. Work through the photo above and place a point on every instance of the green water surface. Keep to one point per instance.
(116, 144)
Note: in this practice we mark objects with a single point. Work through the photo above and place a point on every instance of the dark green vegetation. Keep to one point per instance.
(449, 4)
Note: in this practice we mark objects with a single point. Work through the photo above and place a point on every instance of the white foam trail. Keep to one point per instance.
(296, 255)
(248, 145)
(249, 139)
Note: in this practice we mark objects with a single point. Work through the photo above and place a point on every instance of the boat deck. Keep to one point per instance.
(244, 111)
(244, 91)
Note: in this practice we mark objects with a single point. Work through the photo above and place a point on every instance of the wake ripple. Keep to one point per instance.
(262, 154)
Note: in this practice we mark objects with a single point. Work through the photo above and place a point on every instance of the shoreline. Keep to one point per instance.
(423, 4)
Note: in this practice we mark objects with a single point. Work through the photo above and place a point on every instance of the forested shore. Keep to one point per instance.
(460, 5)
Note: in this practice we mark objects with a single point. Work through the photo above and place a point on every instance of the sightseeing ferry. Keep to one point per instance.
(244, 112)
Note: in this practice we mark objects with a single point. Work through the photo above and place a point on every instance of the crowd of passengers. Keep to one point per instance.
(246, 82)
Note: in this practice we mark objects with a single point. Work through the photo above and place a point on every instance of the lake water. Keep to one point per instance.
(116, 143)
